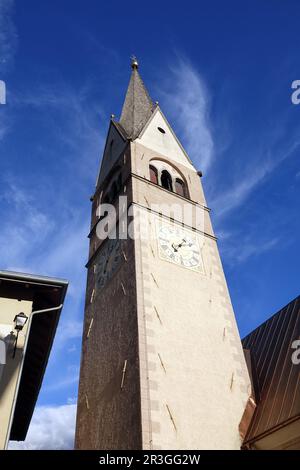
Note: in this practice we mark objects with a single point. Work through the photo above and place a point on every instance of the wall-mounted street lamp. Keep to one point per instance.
(19, 321)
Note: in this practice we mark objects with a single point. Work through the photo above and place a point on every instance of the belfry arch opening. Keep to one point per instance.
(168, 177)
(153, 174)
(166, 180)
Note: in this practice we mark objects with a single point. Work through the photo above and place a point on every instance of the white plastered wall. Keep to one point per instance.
(11, 368)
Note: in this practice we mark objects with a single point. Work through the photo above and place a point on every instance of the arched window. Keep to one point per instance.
(153, 174)
(180, 187)
(168, 177)
(166, 180)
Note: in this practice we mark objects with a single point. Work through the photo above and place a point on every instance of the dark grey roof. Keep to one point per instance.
(137, 107)
(17, 277)
(274, 376)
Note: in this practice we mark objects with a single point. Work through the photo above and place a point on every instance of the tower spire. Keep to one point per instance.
(138, 106)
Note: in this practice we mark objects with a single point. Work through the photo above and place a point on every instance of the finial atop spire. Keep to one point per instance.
(134, 62)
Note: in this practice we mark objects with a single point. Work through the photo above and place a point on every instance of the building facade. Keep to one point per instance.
(30, 307)
(162, 364)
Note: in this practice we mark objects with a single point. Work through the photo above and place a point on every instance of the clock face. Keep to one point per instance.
(180, 247)
(107, 262)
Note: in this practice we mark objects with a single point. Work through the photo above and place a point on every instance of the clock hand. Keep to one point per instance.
(110, 251)
(180, 244)
(175, 248)
(106, 263)
(184, 243)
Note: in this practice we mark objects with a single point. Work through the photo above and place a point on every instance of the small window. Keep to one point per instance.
(153, 175)
(180, 187)
(166, 180)
(161, 130)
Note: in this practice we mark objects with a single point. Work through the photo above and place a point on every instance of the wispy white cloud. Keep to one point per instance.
(52, 428)
(239, 252)
(186, 101)
(70, 377)
(236, 194)
(4, 124)
(69, 328)
(22, 227)
(71, 400)
(8, 44)
(72, 349)
(74, 120)
(8, 36)
(250, 178)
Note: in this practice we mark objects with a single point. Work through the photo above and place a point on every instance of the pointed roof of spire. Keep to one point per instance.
(138, 106)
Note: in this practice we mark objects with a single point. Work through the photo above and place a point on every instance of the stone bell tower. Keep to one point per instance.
(162, 365)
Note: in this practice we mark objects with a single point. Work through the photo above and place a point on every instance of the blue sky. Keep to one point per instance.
(222, 73)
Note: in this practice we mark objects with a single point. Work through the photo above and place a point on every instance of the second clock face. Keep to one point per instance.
(107, 262)
(180, 247)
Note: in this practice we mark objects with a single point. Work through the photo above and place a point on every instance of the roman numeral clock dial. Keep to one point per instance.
(180, 247)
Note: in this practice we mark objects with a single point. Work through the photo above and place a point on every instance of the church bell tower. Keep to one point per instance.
(162, 365)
